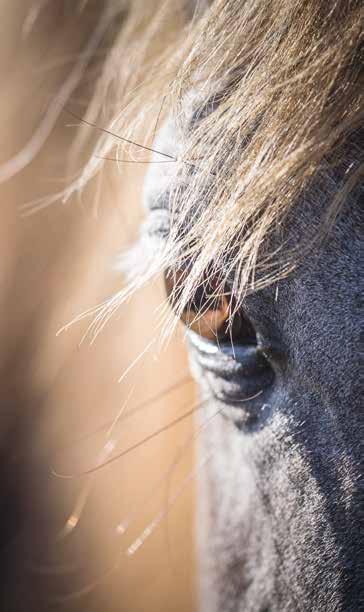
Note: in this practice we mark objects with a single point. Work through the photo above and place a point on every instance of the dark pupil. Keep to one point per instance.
(208, 312)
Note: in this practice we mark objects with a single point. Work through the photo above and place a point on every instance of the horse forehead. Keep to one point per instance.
(316, 315)
(321, 297)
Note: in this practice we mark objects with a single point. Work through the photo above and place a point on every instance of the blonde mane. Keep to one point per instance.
(267, 100)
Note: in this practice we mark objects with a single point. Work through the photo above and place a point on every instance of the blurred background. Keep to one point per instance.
(121, 538)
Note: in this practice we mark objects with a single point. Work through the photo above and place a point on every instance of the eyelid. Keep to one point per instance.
(210, 322)
(206, 313)
(210, 314)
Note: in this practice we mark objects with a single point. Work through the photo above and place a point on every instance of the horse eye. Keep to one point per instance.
(208, 313)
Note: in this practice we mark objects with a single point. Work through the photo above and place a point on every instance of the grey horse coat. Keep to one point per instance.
(281, 505)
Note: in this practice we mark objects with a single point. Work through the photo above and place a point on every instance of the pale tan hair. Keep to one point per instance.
(267, 99)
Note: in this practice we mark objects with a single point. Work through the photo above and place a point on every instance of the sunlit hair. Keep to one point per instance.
(267, 102)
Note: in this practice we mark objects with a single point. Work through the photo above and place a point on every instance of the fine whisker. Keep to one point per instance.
(131, 448)
(147, 532)
(135, 161)
(136, 360)
(75, 516)
(141, 406)
(118, 137)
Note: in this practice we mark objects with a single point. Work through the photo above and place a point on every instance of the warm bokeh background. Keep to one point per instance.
(54, 265)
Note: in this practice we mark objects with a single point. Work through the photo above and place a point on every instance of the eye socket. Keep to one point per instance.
(210, 313)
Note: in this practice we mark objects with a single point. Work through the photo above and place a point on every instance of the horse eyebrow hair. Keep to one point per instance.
(171, 158)
(106, 131)
(148, 162)
(136, 161)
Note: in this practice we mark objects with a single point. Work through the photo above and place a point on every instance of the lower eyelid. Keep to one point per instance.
(242, 361)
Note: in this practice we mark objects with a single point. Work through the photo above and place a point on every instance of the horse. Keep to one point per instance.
(253, 216)
(268, 287)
